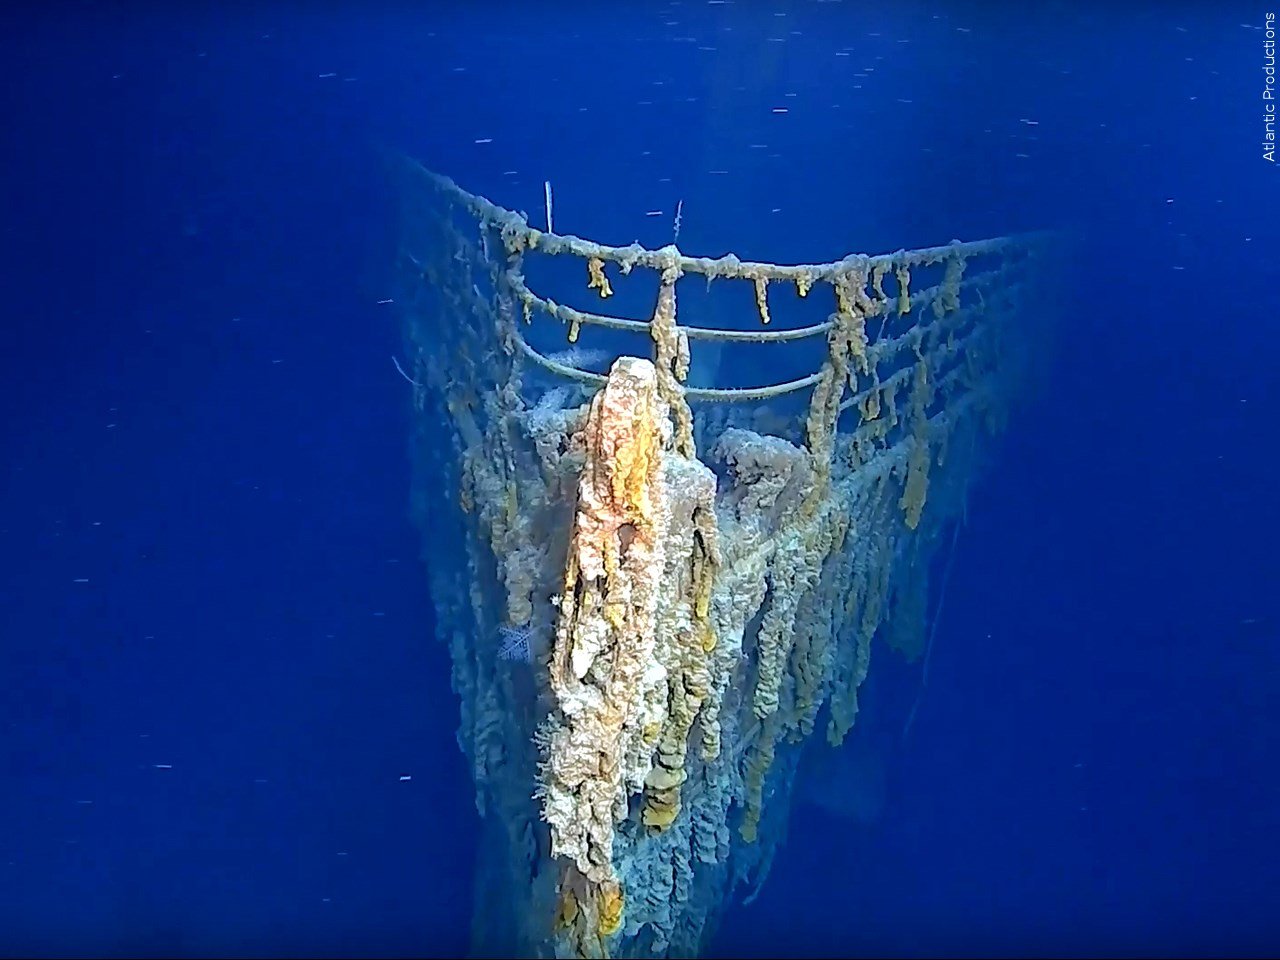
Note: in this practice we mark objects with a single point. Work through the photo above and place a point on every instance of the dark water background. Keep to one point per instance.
(203, 744)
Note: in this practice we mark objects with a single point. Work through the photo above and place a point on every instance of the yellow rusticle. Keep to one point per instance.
(759, 760)
(682, 356)
(587, 913)
(916, 488)
(818, 631)
(596, 280)
(671, 357)
(948, 297)
(846, 341)
(685, 634)
(903, 275)
(877, 281)
(610, 909)
(762, 298)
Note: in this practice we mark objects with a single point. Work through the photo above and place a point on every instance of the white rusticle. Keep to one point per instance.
(513, 645)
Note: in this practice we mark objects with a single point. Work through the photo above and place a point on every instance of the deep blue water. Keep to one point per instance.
(216, 644)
